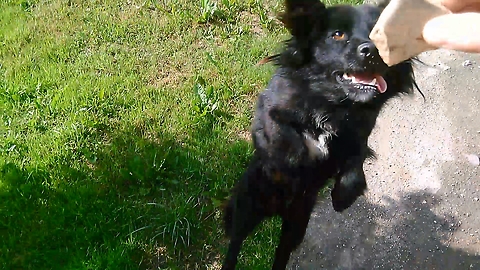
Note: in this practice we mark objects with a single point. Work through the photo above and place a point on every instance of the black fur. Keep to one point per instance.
(310, 124)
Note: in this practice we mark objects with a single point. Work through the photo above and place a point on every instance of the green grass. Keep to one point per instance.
(123, 126)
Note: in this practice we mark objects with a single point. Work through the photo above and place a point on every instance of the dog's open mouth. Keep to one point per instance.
(363, 81)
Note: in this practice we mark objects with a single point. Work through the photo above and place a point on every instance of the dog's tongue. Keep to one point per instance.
(379, 82)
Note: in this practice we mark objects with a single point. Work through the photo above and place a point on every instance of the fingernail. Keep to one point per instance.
(434, 31)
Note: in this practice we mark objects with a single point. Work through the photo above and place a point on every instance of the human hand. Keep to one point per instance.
(458, 6)
(457, 31)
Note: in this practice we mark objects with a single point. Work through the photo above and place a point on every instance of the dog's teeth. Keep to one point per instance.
(350, 77)
(374, 81)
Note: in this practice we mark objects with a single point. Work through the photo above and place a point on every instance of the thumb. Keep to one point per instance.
(454, 31)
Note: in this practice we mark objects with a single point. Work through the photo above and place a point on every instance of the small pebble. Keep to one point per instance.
(473, 159)
(443, 66)
(467, 63)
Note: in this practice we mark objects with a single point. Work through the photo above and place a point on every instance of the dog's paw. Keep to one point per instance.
(340, 204)
(351, 186)
(284, 116)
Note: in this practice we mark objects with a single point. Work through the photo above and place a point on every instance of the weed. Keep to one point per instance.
(209, 11)
(207, 102)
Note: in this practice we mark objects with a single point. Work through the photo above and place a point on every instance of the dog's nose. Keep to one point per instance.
(366, 49)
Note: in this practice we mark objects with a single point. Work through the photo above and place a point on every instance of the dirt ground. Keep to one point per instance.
(422, 210)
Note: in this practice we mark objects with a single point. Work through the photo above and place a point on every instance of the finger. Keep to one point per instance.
(454, 31)
(461, 5)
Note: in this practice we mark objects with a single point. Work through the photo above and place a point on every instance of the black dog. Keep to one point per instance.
(313, 121)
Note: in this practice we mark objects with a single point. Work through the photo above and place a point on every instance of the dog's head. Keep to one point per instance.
(333, 44)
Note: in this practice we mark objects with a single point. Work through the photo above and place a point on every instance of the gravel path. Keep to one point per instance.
(422, 210)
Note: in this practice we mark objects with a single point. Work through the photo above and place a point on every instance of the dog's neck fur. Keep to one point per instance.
(319, 118)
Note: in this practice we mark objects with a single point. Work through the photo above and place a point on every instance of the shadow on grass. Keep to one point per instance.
(137, 202)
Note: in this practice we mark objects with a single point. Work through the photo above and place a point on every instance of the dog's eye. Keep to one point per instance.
(338, 35)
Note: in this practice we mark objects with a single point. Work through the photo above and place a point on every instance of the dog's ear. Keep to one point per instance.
(301, 15)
